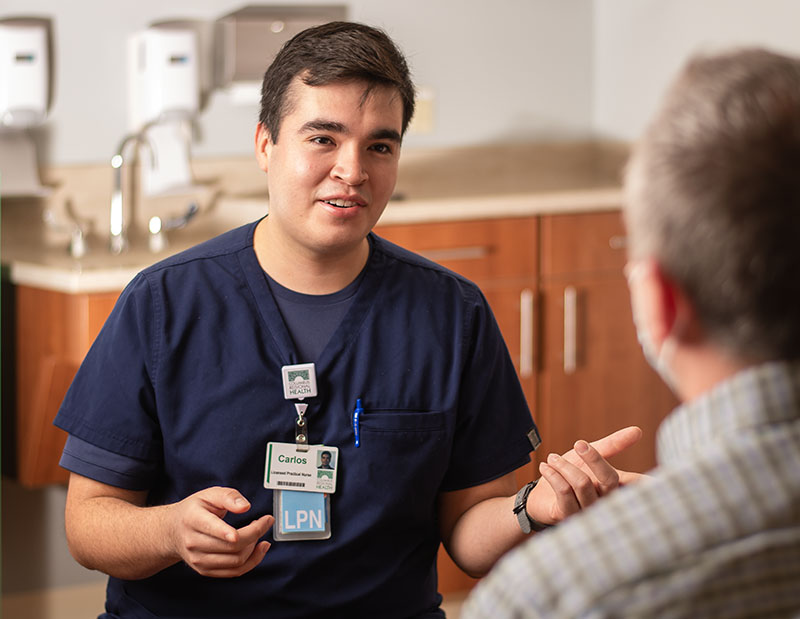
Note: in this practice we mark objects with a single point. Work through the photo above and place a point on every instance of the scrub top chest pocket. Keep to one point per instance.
(400, 443)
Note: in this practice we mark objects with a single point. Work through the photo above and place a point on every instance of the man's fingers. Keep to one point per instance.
(204, 512)
(230, 565)
(566, 502)
(253, 531)
(618, 441)
(213, 526)
(605, 474)
(228, 499)
(255, 558)
(580, 483)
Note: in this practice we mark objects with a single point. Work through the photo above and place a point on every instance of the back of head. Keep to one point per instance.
(713, 194)
(334, 52)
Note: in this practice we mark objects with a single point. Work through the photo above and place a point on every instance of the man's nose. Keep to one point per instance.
(349, 167)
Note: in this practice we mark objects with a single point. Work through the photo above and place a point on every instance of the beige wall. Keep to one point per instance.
(640, 44)
(509, 69)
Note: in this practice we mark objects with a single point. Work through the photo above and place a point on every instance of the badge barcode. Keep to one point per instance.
(294, 484)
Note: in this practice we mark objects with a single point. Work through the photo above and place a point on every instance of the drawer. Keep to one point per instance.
(582, 243)
(482, 250)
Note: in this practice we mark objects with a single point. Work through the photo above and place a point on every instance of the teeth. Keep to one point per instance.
(341, 203)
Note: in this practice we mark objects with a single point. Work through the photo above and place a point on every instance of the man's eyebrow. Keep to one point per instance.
(324, 125)
(386, 134)
(336, 127)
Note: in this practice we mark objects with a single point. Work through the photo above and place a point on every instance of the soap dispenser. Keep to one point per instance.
(25, 70)
(164, 102)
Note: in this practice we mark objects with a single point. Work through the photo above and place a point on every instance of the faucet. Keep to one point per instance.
(118, 236)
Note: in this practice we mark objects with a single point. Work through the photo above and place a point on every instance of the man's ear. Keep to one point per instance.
(658, 301)
(263, 143)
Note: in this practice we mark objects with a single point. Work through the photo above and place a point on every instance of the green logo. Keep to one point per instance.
(295, 374)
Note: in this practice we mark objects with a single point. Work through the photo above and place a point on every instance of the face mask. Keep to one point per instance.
(659, 360)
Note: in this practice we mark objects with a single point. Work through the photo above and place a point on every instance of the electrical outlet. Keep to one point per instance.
(423, 121)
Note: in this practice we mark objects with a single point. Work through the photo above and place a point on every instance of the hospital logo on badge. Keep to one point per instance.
(299, 384)
(325, 481)
(299, 381)
(295, 375)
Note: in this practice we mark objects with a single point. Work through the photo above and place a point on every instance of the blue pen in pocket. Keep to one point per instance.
(356, 415)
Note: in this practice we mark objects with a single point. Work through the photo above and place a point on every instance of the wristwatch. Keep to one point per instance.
(526, 523)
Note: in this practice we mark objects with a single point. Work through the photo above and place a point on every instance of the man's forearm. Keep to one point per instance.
(120, 539)
(483, 534)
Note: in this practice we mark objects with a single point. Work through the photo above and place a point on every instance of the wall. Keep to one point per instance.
(511, 69)
(641, 44)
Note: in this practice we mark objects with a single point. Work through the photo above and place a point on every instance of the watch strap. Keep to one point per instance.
(526, 523)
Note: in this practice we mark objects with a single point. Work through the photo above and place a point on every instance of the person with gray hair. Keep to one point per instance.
(712, 209)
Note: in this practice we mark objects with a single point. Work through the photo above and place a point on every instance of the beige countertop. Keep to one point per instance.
(446, 185)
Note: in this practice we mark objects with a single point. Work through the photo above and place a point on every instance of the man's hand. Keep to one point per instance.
(579, 477)
(211, 546)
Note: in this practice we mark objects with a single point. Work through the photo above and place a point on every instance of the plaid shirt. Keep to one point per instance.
(715, 532)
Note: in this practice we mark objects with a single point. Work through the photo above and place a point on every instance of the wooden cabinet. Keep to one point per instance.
(592, 376)
(54, 332)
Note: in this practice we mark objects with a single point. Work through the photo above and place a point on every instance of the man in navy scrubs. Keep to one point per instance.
(223, 372)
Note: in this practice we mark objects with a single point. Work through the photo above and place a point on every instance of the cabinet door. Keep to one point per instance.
(593, 378)
(54, 333)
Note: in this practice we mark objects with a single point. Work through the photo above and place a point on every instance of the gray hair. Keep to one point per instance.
(712, 192)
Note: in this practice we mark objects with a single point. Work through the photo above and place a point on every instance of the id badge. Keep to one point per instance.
(301, 515)
(313, 470)
(302, 483)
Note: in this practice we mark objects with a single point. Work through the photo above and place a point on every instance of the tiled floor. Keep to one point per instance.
(86, 602)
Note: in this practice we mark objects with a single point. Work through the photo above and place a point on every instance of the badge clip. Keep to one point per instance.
(301, 427)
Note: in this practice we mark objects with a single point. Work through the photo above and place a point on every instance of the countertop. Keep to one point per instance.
(433, 185)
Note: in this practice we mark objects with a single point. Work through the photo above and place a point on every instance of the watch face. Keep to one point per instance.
(522, 496)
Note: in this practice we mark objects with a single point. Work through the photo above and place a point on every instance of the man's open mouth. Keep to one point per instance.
(341, 203)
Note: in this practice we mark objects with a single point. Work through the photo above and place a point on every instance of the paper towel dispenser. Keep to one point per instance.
(247, 40)
(25, 71)
(163, 75)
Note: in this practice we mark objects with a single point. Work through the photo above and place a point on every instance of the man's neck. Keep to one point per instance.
(304, 271)
(700, 367)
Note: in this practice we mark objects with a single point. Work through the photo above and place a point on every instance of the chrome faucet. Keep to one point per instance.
(118, 236)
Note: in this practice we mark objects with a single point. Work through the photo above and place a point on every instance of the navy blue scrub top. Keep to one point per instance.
(185, 376)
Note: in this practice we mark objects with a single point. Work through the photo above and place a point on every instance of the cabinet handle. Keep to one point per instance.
(570, 329)
(618, 241)
(526, 333)
(475, 252)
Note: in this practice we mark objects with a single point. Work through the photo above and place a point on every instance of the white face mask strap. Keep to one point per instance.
(660, 360)
(667, 354)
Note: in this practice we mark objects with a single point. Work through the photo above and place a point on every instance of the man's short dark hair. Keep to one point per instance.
(334, 52)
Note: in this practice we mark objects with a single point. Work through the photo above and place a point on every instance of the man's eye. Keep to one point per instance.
(322, 140)
(382, 148)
